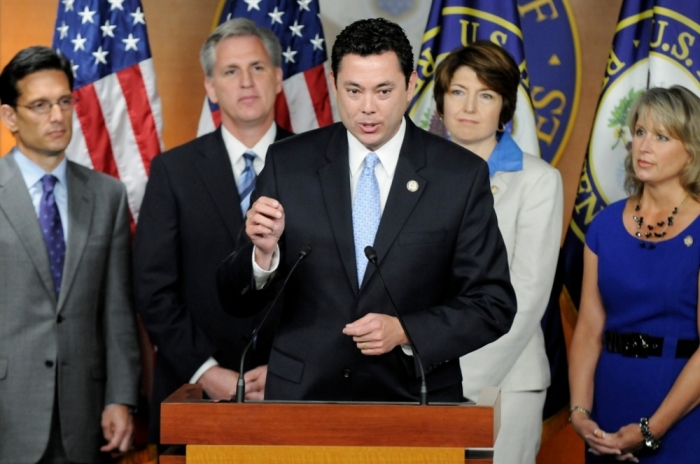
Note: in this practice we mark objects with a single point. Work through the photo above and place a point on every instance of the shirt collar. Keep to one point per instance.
(32, 172)
(388, 154)
(236, 148)
(507, 156)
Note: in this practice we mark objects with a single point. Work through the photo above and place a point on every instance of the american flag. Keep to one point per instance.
(117, 123)
(305, 102)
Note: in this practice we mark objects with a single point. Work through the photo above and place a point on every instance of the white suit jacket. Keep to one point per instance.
(529, 206)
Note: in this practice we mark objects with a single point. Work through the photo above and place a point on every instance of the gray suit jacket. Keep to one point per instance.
(84, 345)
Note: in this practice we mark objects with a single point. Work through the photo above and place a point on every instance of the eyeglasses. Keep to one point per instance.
(44, 106)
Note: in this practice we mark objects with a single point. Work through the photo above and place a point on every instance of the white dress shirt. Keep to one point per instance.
(235, 149)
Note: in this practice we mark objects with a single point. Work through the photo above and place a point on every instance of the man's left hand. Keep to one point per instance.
(117, 427)
(376, 334)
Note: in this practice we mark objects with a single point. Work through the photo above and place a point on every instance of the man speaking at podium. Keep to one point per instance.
(376, 179)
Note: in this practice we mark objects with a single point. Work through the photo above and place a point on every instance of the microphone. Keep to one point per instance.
(372, 257)
(240, 386)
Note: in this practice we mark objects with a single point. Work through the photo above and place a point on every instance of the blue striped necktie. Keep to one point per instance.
(366, 213)
(246, 182)
(52, 229)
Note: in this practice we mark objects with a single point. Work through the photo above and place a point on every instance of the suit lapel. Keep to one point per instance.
(402, 196)
(499, 184)
(335, 183)
(16, 203)
(81, 200)
(214, 167)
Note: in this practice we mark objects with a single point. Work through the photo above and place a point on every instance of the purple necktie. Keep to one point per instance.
(51, 227)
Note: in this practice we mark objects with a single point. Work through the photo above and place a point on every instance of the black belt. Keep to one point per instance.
(639, 345)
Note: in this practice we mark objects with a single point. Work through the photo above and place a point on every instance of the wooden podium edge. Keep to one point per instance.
(187, 419)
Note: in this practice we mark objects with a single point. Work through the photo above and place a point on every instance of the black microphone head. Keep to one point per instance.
(305, 251)
(371, 254)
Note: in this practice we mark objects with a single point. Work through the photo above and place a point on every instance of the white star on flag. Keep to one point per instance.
(87, 15)
(276, 16)
(63, 29)
(75, 68)
(116, 4)
(100, 56)
(253, 4)
(79, 43)
(68, 4)
(296, 28)
(317, 42)
(289, 55)
(304, 102)
(138, 17)
(131, 42)
(108, 29)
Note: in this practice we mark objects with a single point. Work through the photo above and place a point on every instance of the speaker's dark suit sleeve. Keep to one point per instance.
(482, 305)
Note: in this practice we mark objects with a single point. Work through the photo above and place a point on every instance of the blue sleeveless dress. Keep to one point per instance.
(651, 291)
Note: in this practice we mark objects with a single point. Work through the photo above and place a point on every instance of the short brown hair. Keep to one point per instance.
(494, 67)
(677, 110)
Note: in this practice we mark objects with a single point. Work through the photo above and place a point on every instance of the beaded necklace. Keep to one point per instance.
(650, 233)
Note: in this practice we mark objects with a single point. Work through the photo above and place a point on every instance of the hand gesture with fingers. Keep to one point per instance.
(376, 334)
(264, 225)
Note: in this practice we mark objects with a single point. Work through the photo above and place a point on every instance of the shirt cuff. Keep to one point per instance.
(262, 276)
(208, 364)
(407, 350)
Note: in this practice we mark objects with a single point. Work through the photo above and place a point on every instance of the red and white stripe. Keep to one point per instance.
(117, 127)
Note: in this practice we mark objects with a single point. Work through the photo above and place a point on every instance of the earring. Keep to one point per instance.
(501, 127)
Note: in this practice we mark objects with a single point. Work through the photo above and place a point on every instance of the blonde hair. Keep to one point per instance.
(677, 110)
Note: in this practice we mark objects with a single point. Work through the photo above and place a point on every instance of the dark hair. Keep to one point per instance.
(676, 110)
(373, 37)
(29, 61)
(494, 67)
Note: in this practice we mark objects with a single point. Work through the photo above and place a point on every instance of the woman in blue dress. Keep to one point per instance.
(634, 364)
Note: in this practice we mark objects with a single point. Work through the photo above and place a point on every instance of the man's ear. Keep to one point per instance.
(9, 117)
(412, 85)
(334, 84)
(279, 77)
(209, 87)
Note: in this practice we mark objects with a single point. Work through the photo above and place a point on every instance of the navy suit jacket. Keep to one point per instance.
(439, 249)
(189, 221)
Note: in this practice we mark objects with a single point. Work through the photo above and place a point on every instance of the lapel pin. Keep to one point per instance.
(494, 189)
(412, 186)
(688, 241)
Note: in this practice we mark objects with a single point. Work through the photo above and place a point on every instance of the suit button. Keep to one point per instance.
(48, 363)
(59, 319)
(346, 373)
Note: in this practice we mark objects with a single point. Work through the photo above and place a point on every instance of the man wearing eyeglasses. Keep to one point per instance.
(69, 356)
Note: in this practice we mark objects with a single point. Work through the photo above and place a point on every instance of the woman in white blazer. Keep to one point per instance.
(475, 93)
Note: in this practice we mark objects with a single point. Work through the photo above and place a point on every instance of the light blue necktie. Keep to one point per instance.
(366, 213)
(246, 182)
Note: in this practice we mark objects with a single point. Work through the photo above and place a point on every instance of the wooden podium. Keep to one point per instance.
(315, 432)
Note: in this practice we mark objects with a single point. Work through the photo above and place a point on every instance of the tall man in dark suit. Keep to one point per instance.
(69, 355)
(191, 214)
(376, 179)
